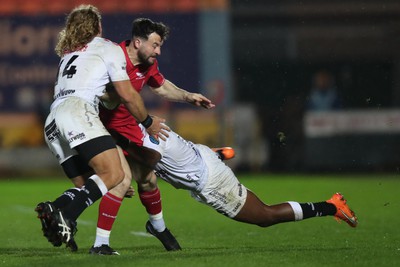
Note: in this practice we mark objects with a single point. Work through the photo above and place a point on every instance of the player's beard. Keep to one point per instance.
(145, 60)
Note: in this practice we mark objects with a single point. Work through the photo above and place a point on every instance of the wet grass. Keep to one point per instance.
(209, 239)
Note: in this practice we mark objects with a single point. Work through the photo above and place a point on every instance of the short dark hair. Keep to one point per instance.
(143, 27)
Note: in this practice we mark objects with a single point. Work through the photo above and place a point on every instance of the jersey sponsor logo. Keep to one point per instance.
(108, 215)
(154, 140)
(240, 190)
(64, 92)
(52, 132)
(237, 206)
(219, 196)
(139, 75)
(155, 202)
(79, 136)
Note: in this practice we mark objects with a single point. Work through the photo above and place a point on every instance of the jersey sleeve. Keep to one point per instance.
(115, 61)
(156, 79)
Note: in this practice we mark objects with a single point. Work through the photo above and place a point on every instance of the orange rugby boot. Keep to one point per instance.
(224, 153)
(344, 213)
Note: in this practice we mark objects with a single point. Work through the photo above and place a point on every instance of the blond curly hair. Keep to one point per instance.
(81, 26)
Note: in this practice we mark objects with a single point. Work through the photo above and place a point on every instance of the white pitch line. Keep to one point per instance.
(84, 222)
(143, 234)
(24, 209)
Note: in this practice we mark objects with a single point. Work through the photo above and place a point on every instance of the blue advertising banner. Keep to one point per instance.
(28, 63)
(27, 60)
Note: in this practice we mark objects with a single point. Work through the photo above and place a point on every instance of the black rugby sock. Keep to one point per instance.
(66, 197)
(89, 194)
(317, 209)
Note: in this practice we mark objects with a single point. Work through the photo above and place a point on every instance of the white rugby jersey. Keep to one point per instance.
(181, 163)
(85, 73)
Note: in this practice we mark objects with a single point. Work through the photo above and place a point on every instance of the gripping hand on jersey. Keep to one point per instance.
(158, 129)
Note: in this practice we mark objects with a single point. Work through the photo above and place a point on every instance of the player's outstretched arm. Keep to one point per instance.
(173, 93)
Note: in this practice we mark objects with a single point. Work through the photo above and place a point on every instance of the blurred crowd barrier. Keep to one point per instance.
(23, 151)
(238, 127)
(20, 130)
(352, 139)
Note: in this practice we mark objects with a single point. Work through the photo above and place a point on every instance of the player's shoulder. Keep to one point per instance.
(105, 41)
(107, 47)
(105, 44)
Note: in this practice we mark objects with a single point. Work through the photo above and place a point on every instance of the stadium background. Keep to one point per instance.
(255, 59)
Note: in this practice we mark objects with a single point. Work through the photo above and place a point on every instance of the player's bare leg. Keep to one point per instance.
(150, 197)
(146, 180)
(256, 212)
(108, 210)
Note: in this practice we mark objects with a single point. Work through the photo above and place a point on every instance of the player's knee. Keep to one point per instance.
(148, 183)
(116, 176)
(147, 186)
(123, 187)
(126, 181)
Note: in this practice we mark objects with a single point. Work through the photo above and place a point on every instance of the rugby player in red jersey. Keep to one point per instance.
(142, 68)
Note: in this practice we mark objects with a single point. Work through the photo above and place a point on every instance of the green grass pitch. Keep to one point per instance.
(210, 239)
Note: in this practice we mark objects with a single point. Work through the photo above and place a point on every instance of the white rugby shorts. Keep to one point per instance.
(71, 123)
(223, 191)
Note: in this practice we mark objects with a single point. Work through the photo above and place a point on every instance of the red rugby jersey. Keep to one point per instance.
(120, 119)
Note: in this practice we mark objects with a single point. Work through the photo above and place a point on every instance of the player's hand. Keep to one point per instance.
(158, 129)
(130, 193)
(199, 100)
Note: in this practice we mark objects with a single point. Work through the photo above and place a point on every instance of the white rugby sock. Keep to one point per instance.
(298, 211)
(102, 237)
(157, 221)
